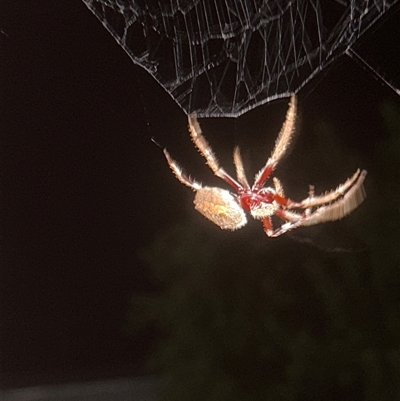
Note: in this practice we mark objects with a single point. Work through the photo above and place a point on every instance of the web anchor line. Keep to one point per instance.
(355, 56)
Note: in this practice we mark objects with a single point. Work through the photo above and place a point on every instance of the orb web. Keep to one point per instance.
(225, 57)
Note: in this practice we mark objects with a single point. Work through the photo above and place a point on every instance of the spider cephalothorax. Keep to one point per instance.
(227, 210)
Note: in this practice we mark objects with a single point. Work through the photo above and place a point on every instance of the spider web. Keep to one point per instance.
(225, 57)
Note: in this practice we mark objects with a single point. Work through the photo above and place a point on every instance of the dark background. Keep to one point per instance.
(84, 188)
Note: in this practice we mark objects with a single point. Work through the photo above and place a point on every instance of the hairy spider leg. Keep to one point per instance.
(278, 187)
(330, 196)
(342, 207)
(240, 172)
(279, 197)
(179, 173)
(267, 225)
(311, 196)
(284, 228)
(281, 145)
(293, 220)
(335, 211)
(205, 150)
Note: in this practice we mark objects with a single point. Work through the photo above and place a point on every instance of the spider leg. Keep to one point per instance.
(205, 149)
(331, 196)
(179, 173)
(311, 195)
(293, 220)
(278, 187)
(342, 207)
(240, 173)
(335, 211)
(281, 144)
(284, 228)
(267, 224)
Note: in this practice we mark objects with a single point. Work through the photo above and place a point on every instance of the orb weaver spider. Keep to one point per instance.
(227, 210)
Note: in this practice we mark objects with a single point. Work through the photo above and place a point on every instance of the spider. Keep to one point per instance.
(227, 210)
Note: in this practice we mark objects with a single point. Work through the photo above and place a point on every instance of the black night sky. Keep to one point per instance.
(84, 188)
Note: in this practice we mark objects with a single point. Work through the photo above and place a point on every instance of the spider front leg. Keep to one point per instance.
(281, 145)
(331, 196)
(346, 198)
(340, 207)
(335, 204)
(205, 149)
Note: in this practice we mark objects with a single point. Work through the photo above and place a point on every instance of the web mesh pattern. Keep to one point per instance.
(224, 57)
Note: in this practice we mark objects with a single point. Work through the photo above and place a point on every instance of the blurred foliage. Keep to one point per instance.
(244, 317)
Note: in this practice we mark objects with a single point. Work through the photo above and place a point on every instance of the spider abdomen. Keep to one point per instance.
(221, 207)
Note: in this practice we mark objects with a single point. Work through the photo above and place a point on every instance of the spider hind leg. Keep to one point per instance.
(180, 174)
